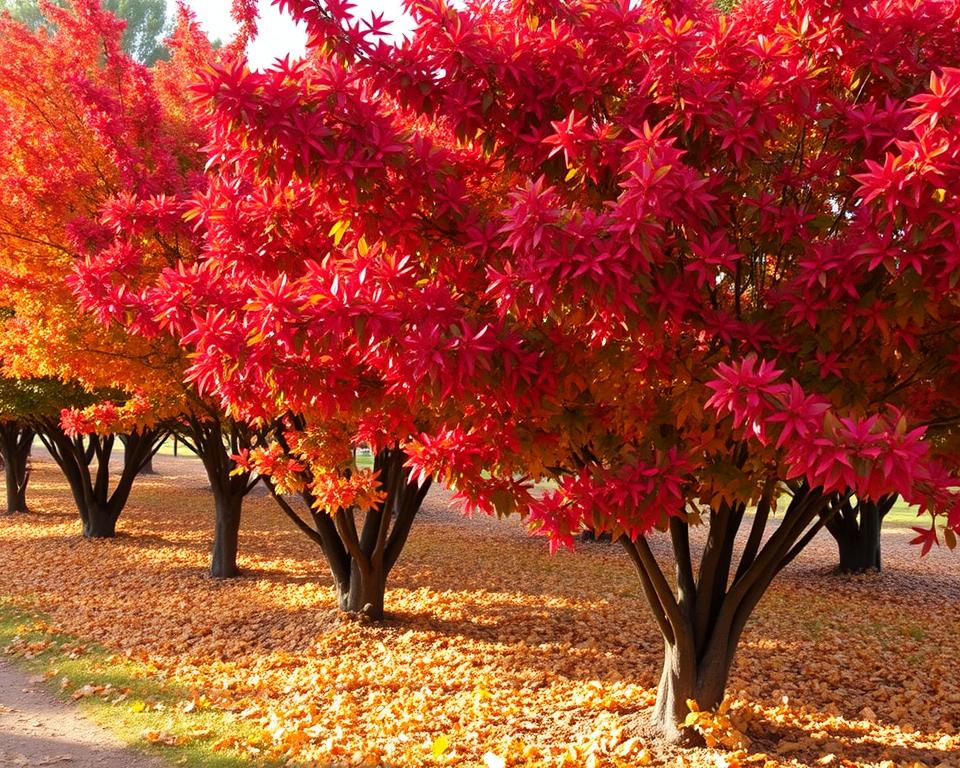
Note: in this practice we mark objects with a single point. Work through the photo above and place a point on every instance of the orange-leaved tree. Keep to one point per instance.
(141, 234)
(88, 125)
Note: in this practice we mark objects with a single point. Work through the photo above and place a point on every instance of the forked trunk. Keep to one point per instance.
(701, 621)
(16, 488)
(361, 547)
(861, 552)
(85, 462)
(857, 530)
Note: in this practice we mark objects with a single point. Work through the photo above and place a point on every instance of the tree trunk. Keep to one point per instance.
(856, 528)
(99, 507)
(148, 468)
(361, 548)
(100, 523)
(683, 679)
(15, 443)
(702, 619)
(364, 593)
(861, 552)
(215, 439)
(226, 536)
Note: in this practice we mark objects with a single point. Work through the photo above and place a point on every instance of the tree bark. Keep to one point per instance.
(702, 619)
(684, 678)
(100, 522)
(15, 443)
(856, 528)
(361, 556)
(148, 468)
(364, 593)
(215, 440)
(226, 537)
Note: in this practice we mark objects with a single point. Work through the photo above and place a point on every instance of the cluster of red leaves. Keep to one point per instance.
(517, 241)
(105, 418)
(496, 651)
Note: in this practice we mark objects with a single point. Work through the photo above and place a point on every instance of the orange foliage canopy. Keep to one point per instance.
(84, 123)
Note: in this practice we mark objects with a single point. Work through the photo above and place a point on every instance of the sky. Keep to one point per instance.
(278, 35)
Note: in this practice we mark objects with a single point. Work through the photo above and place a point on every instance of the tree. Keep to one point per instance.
(92, 136)
(36, 407)
(281, 324)
(80, 116)
(123, 276)
(81, 441)
(360, 557)
(727, 257)
(147, 24)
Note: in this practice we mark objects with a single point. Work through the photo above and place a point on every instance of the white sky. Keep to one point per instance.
(278, 35)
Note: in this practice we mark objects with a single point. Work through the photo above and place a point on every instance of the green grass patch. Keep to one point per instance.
(145, 711)
(903, 515)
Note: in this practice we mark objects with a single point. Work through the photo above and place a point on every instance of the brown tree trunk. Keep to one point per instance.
(702, 619)
(684, 678)
(98, 505)
(15, 443)
(226, 537)
(100, 523)
(361, 548)
(215, 439)
(364, 593)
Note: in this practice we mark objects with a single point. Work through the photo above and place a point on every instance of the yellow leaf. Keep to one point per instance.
(362, 246)
(440, 745)
(571, 173)
(338, 230)
(137, 706)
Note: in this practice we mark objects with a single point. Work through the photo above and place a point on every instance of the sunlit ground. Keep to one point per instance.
(493, 648)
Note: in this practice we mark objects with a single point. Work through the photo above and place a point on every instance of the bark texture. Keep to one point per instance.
(215, 440)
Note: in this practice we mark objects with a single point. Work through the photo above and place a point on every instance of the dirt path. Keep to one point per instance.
(36, 729)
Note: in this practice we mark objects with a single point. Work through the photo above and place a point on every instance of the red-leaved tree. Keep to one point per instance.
(691, 266)
(697, 268)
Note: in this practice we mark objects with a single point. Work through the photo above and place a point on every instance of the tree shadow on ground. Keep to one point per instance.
(854, 745)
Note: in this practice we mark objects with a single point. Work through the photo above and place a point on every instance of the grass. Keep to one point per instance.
(127, 698)
(903, 516)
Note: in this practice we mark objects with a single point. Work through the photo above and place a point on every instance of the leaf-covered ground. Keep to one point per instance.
(495, 652)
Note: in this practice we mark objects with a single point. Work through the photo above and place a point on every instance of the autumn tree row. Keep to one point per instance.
(692, 268)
